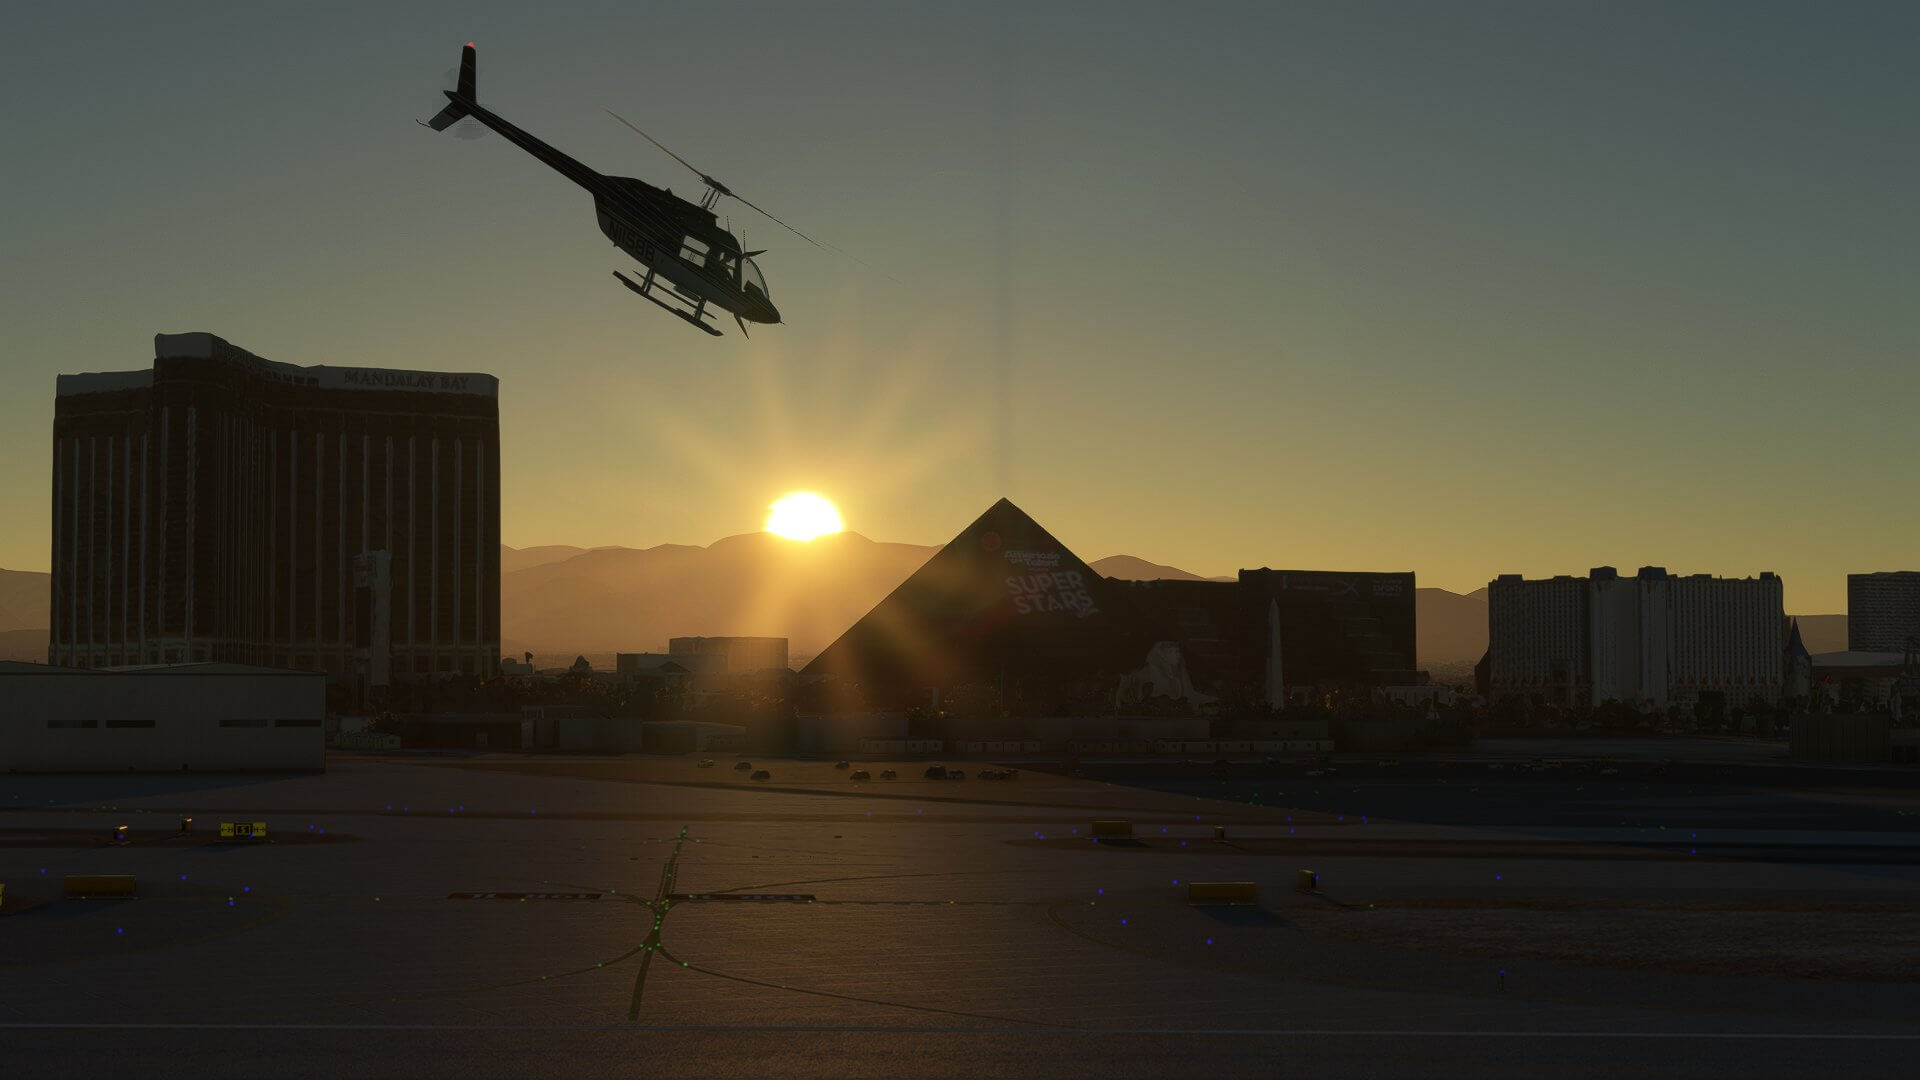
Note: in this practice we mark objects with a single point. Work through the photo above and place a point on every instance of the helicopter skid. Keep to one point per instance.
(695, 317)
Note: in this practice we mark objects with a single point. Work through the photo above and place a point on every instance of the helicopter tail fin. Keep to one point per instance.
(462, 95)
(467, 88)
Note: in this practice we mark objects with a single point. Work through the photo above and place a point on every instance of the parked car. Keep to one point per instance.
(762, 774)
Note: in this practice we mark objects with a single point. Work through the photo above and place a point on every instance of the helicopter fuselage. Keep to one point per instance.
(677, 240)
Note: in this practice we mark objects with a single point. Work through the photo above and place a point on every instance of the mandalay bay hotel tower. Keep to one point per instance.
(223, 507)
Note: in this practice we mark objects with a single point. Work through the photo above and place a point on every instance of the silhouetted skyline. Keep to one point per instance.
(1476, 289)
(1308, 532)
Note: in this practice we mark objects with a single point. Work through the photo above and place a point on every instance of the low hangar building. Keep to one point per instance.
(210, 717)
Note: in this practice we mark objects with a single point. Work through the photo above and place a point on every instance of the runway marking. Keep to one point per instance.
(1103, 1032)
(523, 896)
(665, 900)
(936, 903)
(661, 905)
(744, 898)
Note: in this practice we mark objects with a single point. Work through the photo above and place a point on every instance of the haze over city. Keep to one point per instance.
(1462, 289)
(1121, 540)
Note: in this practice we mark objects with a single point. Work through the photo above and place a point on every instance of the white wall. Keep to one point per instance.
(185, 711)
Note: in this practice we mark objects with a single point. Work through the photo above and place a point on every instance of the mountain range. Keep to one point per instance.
(569, 600)
(24, 597)
(558, 601)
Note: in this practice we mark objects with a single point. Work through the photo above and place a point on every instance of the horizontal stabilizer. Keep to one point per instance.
(446, 117)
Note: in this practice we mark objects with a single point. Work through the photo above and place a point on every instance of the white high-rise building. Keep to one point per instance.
(1538, 639)
(1648, 641)
(1728, 638)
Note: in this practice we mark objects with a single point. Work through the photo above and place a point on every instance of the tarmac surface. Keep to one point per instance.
(497, 915)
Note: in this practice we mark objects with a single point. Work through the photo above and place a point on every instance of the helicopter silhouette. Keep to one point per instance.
(691, 260)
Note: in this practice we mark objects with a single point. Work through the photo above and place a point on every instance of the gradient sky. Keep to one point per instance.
(1463, 288)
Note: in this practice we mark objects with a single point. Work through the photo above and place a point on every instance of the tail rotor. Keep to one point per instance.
(466, 127)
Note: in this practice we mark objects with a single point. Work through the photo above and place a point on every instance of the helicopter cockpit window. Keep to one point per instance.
(750, 278)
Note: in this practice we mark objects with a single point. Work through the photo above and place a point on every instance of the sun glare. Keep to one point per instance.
(803, 515)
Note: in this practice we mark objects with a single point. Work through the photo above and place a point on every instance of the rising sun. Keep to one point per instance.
(803, 515)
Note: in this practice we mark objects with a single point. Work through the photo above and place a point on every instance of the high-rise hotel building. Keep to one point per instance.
(1651, 640)
(1883, 611)
(225, 507)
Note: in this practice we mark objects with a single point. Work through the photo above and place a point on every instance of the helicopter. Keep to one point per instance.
(692, 261)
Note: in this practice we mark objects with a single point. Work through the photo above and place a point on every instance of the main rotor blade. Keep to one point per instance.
(811, 240)
(729, 193)
(717, 185)
(782, 224)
